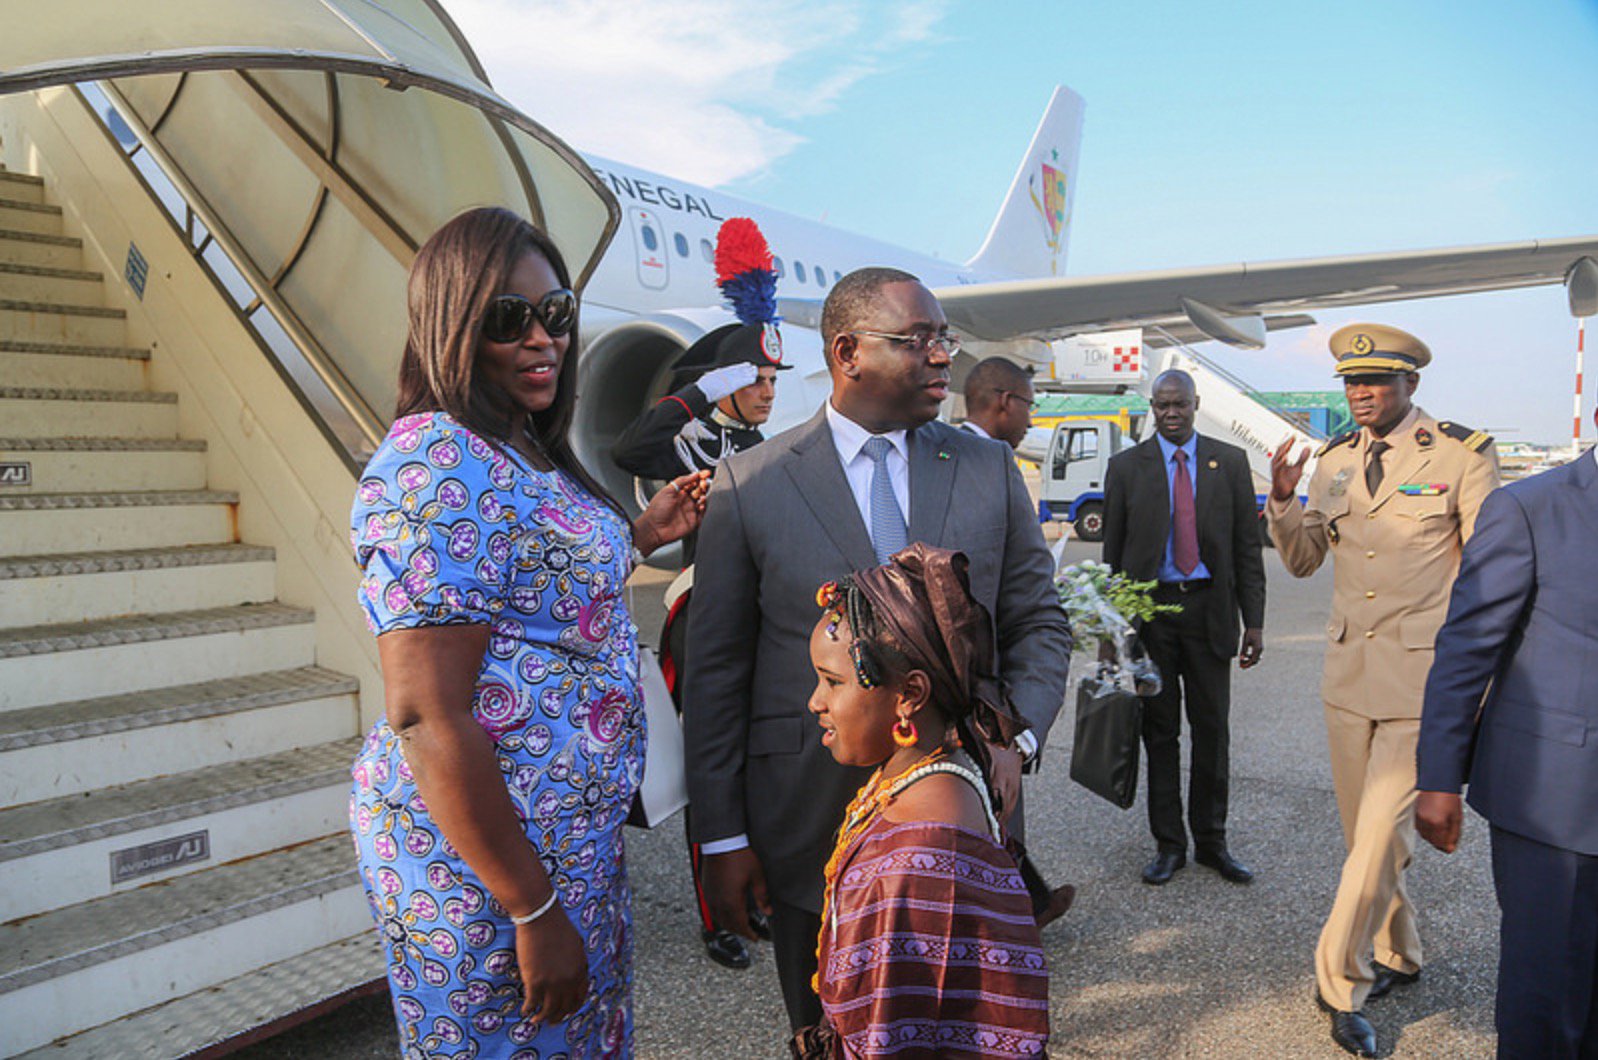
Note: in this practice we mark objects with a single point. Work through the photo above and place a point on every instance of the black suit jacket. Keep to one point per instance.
(1137, 522)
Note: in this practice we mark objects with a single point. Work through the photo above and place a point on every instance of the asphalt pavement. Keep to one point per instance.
(1197, 968)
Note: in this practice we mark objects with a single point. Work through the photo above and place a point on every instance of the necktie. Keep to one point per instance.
(1373, 467)
(1184, 520)
(888, 532)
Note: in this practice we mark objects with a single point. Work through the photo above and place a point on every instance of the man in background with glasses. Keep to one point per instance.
(999, 401)
(869, 473)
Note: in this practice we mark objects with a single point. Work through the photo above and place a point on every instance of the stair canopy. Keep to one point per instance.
(320, 142)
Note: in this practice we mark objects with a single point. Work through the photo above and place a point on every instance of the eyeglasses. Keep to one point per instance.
(920, 342)
(1030, 403)
(510, 316)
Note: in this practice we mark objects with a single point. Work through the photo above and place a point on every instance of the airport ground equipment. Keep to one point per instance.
(1079, 450)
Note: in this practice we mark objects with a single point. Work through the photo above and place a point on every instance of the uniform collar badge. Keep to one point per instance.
(1423, 437)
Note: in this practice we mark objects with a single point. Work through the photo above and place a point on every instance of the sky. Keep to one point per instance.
(1214, 133)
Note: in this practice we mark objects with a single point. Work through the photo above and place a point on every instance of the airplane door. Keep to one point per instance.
(649, 248)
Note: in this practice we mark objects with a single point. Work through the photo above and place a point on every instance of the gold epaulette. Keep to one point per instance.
(1475, 441)
(1346, 438)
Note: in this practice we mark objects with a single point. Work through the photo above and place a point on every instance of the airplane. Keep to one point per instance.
(654, 293)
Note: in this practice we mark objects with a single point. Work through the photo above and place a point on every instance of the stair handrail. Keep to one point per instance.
(360, 419)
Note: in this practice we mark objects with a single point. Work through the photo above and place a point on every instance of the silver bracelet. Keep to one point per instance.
(528, 918)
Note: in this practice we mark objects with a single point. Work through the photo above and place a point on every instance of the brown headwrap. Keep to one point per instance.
(922, 599)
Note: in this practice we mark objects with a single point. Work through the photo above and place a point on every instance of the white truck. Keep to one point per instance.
(1079, 451)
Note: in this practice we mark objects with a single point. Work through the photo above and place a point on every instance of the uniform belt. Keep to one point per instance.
(1192, 585)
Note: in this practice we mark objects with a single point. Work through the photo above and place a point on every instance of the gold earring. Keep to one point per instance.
(904, 732)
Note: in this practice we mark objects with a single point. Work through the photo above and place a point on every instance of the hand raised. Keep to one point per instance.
(1285, 476)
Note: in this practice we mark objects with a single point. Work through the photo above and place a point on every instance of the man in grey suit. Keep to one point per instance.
(811, 505)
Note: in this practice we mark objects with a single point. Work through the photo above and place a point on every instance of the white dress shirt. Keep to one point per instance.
(849, 438)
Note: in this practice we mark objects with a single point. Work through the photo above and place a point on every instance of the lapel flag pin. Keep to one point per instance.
(943, 454)
(1214, 464)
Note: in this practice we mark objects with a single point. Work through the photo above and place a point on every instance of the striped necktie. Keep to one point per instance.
(888, 532)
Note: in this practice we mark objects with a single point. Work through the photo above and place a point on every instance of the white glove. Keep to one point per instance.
(719, 382)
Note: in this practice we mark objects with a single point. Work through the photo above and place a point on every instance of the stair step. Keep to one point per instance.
(76, 968)
(63, 365)
(86, 465)
(47, 321)
(21, 187)
(239, 1011)
(59, 852)
(83, 522)
(43, 283)
(39, 248)
(23, 216)
(142, 652)
(77, 413)
(127, 737)
(75, 586)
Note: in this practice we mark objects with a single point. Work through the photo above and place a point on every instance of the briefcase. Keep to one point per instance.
(664, 790)
(1109, 731)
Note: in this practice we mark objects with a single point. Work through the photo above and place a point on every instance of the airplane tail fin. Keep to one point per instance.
(1029, 236)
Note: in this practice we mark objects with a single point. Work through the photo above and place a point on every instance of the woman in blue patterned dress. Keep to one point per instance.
(488, 804)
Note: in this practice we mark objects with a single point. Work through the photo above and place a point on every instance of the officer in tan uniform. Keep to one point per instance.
(1393, 502)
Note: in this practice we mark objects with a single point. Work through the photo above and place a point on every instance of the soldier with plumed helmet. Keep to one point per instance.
(1392, 502)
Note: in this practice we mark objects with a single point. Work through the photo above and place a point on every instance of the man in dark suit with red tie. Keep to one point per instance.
(1179, 509)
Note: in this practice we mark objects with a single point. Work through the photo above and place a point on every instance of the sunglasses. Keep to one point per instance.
(510, 316)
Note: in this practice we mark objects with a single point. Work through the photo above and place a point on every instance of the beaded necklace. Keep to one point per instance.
(866, 806)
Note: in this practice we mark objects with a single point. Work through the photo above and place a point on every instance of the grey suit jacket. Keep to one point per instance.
(780, 522)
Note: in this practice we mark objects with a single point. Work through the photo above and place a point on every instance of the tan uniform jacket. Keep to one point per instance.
(1396, 555)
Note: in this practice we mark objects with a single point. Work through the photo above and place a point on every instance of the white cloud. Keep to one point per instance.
(705, 90)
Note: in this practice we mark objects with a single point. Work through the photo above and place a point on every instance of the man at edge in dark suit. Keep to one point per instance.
(869, 473)
(1523, 620)
(1179, 509)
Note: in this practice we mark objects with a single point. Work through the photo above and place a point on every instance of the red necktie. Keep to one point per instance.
(1184, 520)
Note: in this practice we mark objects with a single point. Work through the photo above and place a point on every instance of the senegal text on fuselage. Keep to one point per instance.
(658, 195)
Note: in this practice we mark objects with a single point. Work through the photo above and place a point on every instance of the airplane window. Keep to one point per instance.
(799, 271)
(681, 243)
(651, 241)
(707, 251)
(777, 262)
(836, 275)
(821, 276)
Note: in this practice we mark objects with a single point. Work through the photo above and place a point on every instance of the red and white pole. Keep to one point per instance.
(1581, 356)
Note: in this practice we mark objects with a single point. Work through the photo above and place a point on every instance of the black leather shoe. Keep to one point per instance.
(1224, 863)
(726, 949)
(1387, 978)
(1060, 900)
(1351, 1030)
(1163, 867)
(760, 925)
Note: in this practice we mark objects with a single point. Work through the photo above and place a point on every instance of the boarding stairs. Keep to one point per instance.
(175, 869)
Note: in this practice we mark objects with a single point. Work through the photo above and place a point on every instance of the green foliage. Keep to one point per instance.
(1103, 604)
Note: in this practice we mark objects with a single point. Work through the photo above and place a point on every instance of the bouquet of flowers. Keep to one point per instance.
(1102, 605)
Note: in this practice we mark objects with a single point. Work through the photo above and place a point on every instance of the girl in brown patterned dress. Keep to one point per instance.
(928, 943)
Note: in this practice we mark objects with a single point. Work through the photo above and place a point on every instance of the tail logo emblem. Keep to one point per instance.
(1051, 206)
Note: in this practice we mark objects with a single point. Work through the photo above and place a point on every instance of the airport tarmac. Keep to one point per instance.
(1197, 968)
